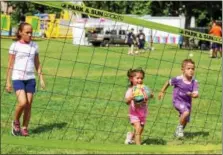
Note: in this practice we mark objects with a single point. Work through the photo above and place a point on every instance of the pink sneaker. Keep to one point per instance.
(16, 128)
(24, 132)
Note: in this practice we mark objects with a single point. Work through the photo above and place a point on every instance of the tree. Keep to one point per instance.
(204, 12)
(121, 7)
(25, 8)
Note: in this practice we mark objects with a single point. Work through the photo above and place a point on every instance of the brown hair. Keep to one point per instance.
(20, 29)
(185, 61)
(132, 72)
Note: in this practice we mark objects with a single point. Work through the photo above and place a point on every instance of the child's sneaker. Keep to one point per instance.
(15, 128)
(128, 139)
(24, 132)
(179, 133)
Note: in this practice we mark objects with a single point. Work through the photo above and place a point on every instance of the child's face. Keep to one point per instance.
(188, 70)
(137, 79)
(26, 33)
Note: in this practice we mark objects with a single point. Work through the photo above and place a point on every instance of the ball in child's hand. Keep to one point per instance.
(141, 93)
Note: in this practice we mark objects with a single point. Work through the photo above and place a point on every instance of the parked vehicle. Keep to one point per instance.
(102, 37)
(200, 44)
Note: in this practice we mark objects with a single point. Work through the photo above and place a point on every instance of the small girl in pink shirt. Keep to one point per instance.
(137, 112)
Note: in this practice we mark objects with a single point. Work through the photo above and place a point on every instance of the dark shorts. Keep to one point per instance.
(28, 85)
(216, 46)
(141, 44)
(130, 44)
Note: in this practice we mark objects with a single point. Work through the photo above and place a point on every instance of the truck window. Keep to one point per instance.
(121, 32)
(107, 32)
(113, 32)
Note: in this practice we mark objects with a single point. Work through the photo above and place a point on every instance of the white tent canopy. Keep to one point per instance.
(80, 24)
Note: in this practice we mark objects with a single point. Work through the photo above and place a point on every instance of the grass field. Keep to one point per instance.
(82, 109)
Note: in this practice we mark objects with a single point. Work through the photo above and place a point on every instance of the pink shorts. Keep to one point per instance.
(134, 119)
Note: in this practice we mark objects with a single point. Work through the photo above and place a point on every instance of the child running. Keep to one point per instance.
(23, 60)
(185, 88)
(137, 112)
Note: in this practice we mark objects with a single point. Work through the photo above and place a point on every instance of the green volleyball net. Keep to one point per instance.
(85, 87)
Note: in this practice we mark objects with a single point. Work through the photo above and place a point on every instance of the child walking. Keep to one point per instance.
(137, 112)
(131, 41)
(23, 58)
(185, 88)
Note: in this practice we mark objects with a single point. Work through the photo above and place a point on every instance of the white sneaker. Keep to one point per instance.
(128, 139)
(179, 131)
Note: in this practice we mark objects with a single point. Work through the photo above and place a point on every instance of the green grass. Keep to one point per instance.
(82, 109)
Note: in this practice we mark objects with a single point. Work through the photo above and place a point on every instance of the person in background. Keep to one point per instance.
(141, 38)
(216, 30)
(131, 41)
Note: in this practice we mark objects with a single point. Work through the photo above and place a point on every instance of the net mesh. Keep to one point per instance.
(85, 88)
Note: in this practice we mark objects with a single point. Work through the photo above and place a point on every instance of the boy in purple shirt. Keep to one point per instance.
(185, 88)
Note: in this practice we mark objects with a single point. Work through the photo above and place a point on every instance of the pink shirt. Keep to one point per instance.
(136, 110)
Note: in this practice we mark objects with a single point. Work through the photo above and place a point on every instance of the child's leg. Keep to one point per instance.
(129, 50)
(184, 118)
(215, 52)
(220, 49)
(132, 49)
(133, 134)
(184, 111)
(183, 122)
(138, 132)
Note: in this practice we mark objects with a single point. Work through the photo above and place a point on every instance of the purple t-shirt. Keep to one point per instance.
(181, 87)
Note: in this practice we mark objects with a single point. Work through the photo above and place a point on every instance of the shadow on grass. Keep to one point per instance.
(195, 134)
(154, 141)
(47, 127)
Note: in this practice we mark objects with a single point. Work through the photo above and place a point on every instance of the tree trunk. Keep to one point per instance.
(187, 25)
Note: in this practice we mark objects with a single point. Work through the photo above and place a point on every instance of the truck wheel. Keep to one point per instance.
(96, 44)
(105, 43)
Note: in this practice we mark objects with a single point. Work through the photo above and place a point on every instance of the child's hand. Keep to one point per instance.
(160, 96)
(193, 95)
(8, 87)
(129, 99)
(42, 83)
(189, 94)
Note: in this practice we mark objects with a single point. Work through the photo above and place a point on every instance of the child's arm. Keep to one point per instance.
(9, 72)
(129, 96)
(211, 31)
(129, 99)
(39, 71)
(193, 95)
(161, 93)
